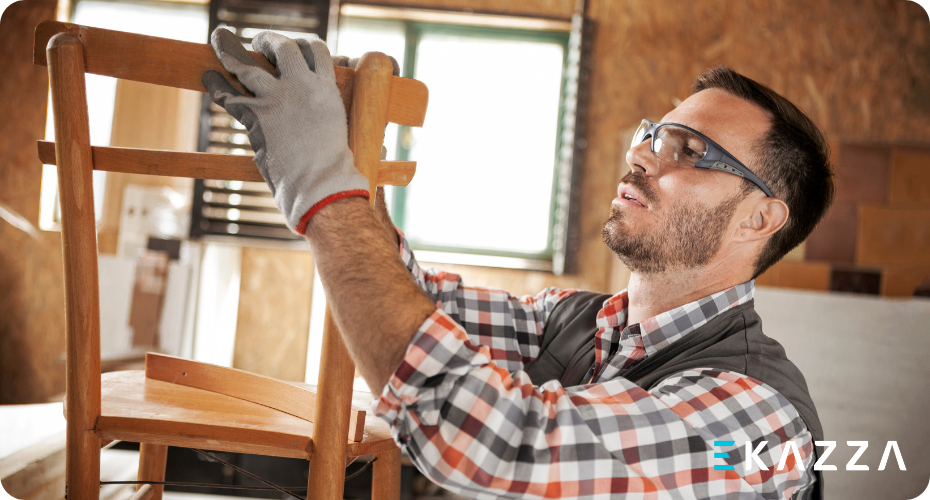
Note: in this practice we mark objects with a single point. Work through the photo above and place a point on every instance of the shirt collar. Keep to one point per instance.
(660, 331)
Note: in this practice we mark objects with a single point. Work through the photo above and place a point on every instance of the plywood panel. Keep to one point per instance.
(910, 177)
(901, 282)
(834, 239)
(863, 173)
(894, 237)
(273, 325)
(32, 331)
(798, 275)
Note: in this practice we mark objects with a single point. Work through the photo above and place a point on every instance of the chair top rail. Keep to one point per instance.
(173, 63)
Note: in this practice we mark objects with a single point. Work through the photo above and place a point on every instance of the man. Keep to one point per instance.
(570, 394)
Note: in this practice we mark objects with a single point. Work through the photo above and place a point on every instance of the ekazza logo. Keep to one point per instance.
(790, 447)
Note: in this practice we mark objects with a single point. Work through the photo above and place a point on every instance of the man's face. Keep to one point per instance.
(680, 216)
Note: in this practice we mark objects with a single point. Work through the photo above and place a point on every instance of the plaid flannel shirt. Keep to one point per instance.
(475, 423)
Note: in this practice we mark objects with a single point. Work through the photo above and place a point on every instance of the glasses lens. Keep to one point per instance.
(679, 146)
(638, 135)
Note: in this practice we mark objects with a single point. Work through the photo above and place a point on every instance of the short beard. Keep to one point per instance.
(689, 238)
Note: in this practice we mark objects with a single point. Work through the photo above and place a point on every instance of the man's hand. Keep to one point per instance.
(296, 122)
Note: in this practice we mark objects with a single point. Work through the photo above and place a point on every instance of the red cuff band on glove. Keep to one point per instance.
(302, 225)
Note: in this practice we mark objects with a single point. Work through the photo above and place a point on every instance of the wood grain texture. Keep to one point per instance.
(273, 318)
(202, 165)
(370, 96)
(150, 59)
(139, 409)
(291, 398)
(337, 371)
(385, 481)
(893, 237)
(153, 458)
(910, 178)
(32, 328)
(79, 249)
(798, 275)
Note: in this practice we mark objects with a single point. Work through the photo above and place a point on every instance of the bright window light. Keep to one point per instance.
(487, 153)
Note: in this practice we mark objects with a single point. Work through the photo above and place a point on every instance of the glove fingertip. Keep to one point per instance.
(341, 61)
(215, 84)
(306, 51)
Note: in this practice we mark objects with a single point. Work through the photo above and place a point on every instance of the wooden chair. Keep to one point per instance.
(178, 402)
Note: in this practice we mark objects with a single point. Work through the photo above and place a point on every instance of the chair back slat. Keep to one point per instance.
(173, 63)
(202, 165)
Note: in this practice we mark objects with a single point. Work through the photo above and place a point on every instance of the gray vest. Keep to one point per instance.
(732, 341)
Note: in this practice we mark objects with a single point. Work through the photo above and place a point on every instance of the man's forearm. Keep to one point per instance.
(375, 302)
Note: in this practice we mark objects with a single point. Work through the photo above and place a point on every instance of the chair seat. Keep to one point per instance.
(135, 408)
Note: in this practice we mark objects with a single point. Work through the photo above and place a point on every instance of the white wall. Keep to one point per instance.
(866, 364)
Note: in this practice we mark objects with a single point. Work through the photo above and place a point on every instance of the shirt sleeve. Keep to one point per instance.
(483, 431)
(511, 327)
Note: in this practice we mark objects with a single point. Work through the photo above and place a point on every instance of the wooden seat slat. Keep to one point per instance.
(137, 409)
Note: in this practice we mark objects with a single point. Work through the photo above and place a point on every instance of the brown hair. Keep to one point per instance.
(793, 159)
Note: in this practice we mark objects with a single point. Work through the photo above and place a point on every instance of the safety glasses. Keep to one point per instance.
(686, 147)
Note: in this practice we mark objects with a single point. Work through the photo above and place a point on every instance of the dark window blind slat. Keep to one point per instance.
(235, 208)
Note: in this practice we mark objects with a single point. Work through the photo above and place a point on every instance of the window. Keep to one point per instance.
(487, 185)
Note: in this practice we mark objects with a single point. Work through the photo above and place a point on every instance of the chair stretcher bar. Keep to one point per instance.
(202, 165)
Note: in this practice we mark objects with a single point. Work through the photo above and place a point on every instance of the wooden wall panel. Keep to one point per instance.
(860, 68)
(32, 319)
(910, 177)
(273, 324)
(798, 275)
(894, 237)
(898, 282)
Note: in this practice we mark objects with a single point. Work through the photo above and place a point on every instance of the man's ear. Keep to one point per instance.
(766, 217)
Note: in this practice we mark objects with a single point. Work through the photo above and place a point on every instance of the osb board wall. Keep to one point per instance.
(32, 321)
(152, 117)
(876, 237)
(860, 68)
(273, 323)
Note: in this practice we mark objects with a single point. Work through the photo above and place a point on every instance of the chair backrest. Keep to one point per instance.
(372, 97)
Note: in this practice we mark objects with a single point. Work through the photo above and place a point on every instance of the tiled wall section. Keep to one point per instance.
(876, 237)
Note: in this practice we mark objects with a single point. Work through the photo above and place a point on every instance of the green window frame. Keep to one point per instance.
(414, 32)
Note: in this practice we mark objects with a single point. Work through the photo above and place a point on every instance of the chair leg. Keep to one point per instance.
(385, 481)
(82, 476)
(152, 461)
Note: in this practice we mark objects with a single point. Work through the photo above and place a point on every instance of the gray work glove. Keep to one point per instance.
(296, 122)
